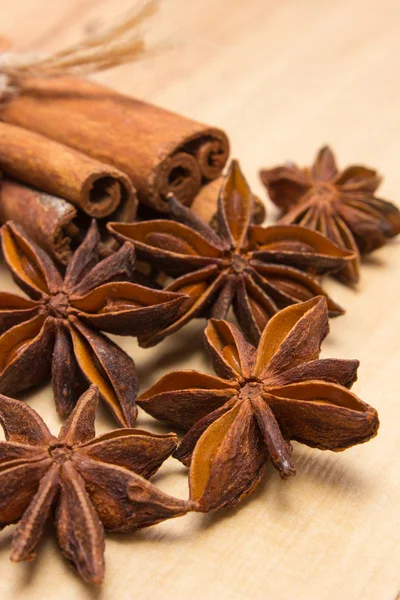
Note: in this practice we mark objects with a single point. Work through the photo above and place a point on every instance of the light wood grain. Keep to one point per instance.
(282, 78)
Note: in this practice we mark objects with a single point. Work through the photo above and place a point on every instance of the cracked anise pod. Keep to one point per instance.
(340, 204)
(261, 400)
(58, 328)
(90, 484)
(256, 270)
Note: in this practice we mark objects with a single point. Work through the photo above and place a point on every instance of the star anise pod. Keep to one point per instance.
(92, 483)
(59, 327)
(258, 270)
(340, 204)
(261, 399)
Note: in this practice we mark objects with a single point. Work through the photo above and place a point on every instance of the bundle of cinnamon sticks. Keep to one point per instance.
(72, 150)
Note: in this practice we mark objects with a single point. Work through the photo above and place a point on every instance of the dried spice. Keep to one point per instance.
(55, 224)
(340, 204)
(261, 399)
(62, 190)
(93, 483)
(58, 328)
(92, 186)
(205, 205)
(160, 151)
(258, 270)
(49, 221)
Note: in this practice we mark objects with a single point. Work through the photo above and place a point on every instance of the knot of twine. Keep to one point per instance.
(113, 45)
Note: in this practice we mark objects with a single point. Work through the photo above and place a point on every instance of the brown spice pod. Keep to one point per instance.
(94, 187)
(205, 205)
(160, 151)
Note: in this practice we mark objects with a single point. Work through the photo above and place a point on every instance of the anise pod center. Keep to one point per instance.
(251, 389)
(60, 452)
(237, 263)
(58, 305)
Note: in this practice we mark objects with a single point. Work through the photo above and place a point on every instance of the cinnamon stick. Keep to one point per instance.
(160, 151)
(94, 187)
(48, 220)
(55, 224)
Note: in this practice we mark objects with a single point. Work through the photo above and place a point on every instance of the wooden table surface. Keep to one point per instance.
(282, 78)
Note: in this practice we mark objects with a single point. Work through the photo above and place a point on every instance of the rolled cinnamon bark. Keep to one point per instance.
(94, 187)
(50, 221)
(160, 151)
(54, 223)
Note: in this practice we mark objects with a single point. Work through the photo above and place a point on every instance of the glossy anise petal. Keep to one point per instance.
(15, 309)
(286, 185)
(303, 327)
(324, 167)
(16, 453)
(358, 178)
(252, 307)
(186, 216)
(30, 266)
(336, 230)
(125, 501)
(102, 362)
(235, 208)
(79, 530)
(282, 285)
(232, 356)
(223, 302)
(228, 461)
(124, 308)
(136, 450)
(79, 427)
(29, 343)
(185, 449)
(323, 415)
(20, 484)
(184, 397)
(334, 370)
(288, 286)
(389, 211)
(190, 251)
(120, 266)
(67, 380)
(370, 231)
(83, 260)
(279, 449)
(21, 424)
(298, 247)
(30, 527)
(200, 294)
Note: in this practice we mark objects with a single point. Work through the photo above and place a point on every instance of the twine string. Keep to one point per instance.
(116, 44)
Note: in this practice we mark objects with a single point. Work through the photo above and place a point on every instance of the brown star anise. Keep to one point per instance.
(94, 483)
(262, 399)
(59, 327)
(341, 205)
(258, 270)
